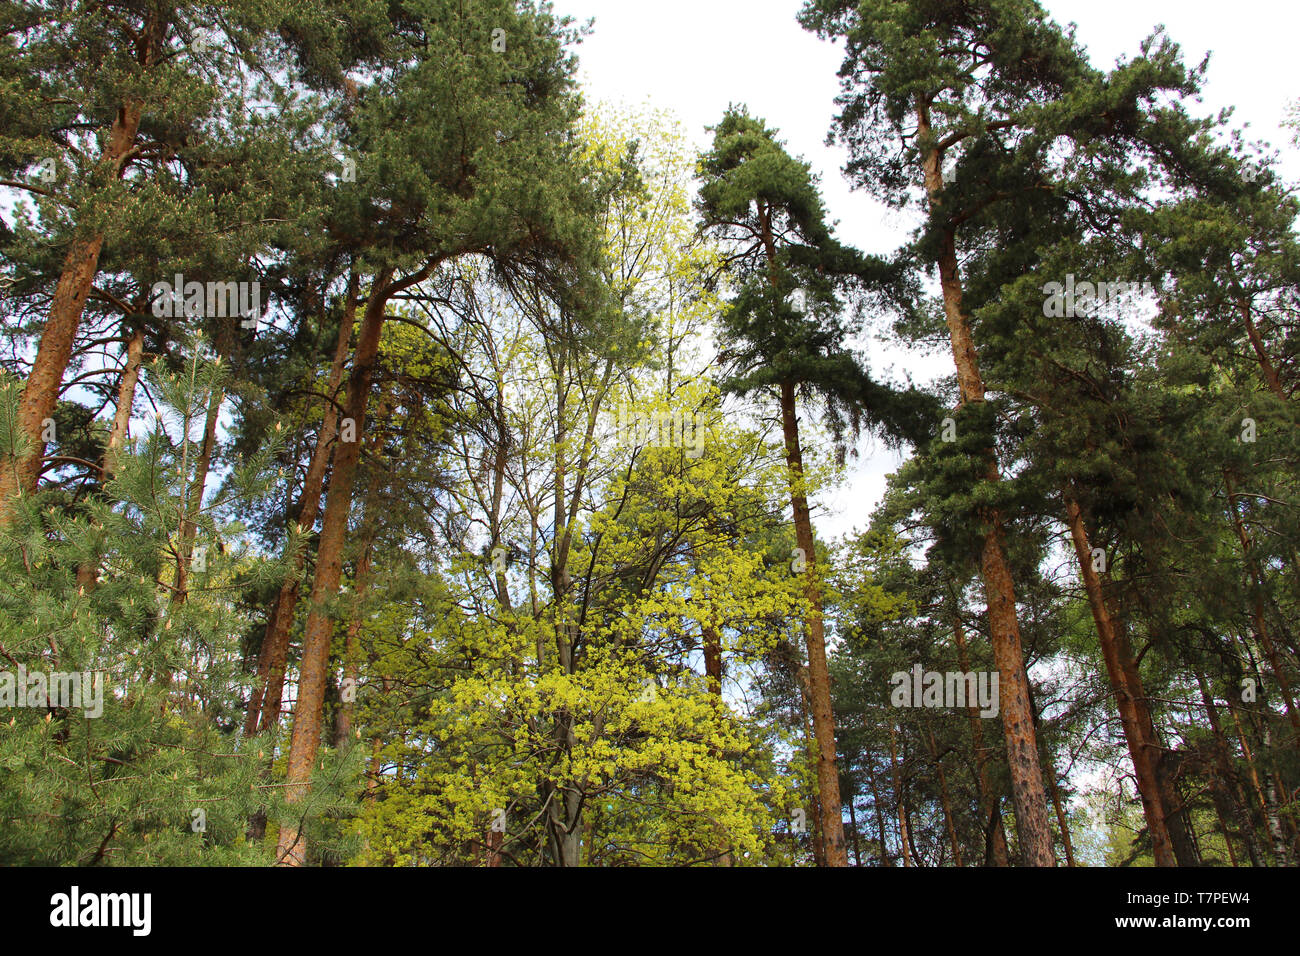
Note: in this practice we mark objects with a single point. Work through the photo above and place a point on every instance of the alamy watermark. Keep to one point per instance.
(172, 300)
(661, 428)
(1077, 299)
(951, 689)
(73, 689)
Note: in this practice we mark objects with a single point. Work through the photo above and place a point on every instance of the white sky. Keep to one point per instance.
(694, 57)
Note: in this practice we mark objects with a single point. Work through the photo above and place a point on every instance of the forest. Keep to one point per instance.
(410, 460)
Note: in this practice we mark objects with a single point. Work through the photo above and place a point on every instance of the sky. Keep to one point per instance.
(695, 57)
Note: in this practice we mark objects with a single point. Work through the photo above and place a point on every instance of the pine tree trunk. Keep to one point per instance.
(810, 742)
(995, 837)
(945, 801)
(361, 586)
(1266, 367)
(194, 502)
(1027, 790)
(264, 705)
(828, 781)
(1143, 750)
(904, 838)
(880, 817)
(125, 402)
(712, 641)
(314, 674)
(1224, 780)
(20, 475)
(1261, 624)
(88, 572)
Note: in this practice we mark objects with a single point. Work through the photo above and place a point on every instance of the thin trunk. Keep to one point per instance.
(995, 837)
(828, 780)
(264, 706)
(194, 502)
(314, 674)
(1266, 367)
(125, 402)
(88, 572)
(1261, 625)
(1281, 848)
(1027, 789)
(945, 802)
(903, 837)
(361, 582)
(712, 642)
(853, 822)
(343, 726)
(880, 817)
(1229, 800)
(810, 741)
(1251, 768)
(1142, 748)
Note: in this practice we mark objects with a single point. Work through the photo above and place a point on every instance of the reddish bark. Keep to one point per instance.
(268, 692)
(828, 780)
(19, 475)
(1027, 789)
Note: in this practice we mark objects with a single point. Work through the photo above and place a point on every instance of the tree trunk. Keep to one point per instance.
(1266, 367)
(712, 641)
(853, 822)
(880, 817)
(904, 839)
(995, 837)
(1281, 848)
(308, 711)
(810, 741)
(1027, 790)
(19, 475)
(1229, 800)
(828, 780)
(1144, 752)
(194, 502)
(264, 706)
(945, 801)
(88, 572)
(1261, 625)
(361, 585)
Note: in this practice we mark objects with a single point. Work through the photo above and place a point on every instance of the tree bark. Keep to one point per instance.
(995, 837)
(1266, 367)
(1261, 624)
(1027, 789)
(88, 572)
(1143, 750)
(309, 709)
(1225, 783)
(828, 780)
(945, 801)
(20, 474)
(904, 839)
(264, 705)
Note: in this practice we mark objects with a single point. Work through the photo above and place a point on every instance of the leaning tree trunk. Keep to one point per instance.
(19, 474)
(1144, 752)
(264, 704)
(314, 674)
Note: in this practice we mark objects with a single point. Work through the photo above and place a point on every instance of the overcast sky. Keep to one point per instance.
(694, 57)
